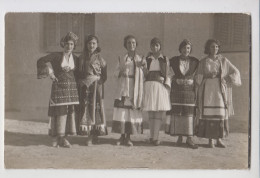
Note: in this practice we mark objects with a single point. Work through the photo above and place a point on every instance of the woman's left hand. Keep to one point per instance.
(168, 88)
(139, 64)
(189, 82)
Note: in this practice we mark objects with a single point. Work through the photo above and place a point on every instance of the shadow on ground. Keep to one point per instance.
(14, 139)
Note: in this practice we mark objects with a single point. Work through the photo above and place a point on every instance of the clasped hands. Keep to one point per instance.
(184, 81)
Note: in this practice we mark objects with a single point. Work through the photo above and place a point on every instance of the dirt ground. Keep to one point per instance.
(27, 146)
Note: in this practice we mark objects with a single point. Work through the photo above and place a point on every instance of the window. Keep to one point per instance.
(233, 31)
(58, 25)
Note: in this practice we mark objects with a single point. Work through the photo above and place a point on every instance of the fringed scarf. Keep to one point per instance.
(124, 87)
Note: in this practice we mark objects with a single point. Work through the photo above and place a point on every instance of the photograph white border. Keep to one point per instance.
(183, 6)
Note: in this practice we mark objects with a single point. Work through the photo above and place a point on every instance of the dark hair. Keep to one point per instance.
(184, 43)
(127, 38)
(87, 40)
(208, 43)
(155, 41)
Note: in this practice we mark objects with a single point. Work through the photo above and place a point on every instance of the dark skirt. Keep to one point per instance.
(65, 124)
(181, 119)
(64, 92)
(92, 112)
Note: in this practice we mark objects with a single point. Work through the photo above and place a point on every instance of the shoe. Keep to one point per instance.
(89, 143)
(211, 143)
(156, 142)
(95, 140)
(179, 141)
(66, 143)
(120, 141)
(220, 144)
(55, 142)
(151, 140)
(128, 142)
(190, 144)
(89, 140)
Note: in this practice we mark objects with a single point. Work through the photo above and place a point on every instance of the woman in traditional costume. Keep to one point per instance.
(156, 89)
(127, 116)
(180, 121)
(215, 77)
(62, 70)
(92, 76)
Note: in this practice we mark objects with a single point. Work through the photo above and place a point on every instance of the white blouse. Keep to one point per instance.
(184, 66)
(68, 61)
(155, 65)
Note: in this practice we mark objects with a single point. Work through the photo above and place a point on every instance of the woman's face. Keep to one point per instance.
(155, 47)
(185, 50)
(213, 49)
(131, 44)
(92, 45)
(69, 46)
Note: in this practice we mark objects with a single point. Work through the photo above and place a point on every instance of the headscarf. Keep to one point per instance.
(68, 37)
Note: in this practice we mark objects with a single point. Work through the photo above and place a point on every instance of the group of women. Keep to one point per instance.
(195, 95)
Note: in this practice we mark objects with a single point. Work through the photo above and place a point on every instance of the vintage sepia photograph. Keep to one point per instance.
(127, 91)
(129, 88)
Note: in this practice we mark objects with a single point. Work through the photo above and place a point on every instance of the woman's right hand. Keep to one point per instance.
(53, 77)
(179, 81)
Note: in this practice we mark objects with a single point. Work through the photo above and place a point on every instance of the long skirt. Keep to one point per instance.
(125, 119)
(63, 106)
(180, 121)
(213, 122)
(156, 97)
(179, 125)
(92, 112)
(62, 125)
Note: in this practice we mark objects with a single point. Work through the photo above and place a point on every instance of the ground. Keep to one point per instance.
(27, 146)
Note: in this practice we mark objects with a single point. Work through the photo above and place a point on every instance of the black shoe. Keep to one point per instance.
(191, 144)
(156, 142)
(179, 141)
(151, 140)
(120, 141)
(211, 143)
(220, 144)
(128, 142)
(66, 143)
(95, 140)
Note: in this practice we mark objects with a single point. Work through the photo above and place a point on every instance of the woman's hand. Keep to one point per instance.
(179, 81)
(141, 63)
(53, 77)
(66, 69)
(189, 82)
(184, 81)
(168, 88)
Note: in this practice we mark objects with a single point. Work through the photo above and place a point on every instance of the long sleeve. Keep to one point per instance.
(76, 69)
(199, 73)
(233, 74)
(103, 74)
(117, 69)
(169, 74)
(43, 69)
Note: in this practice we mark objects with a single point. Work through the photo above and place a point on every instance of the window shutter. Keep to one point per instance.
(58, 25)
(232, 30)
